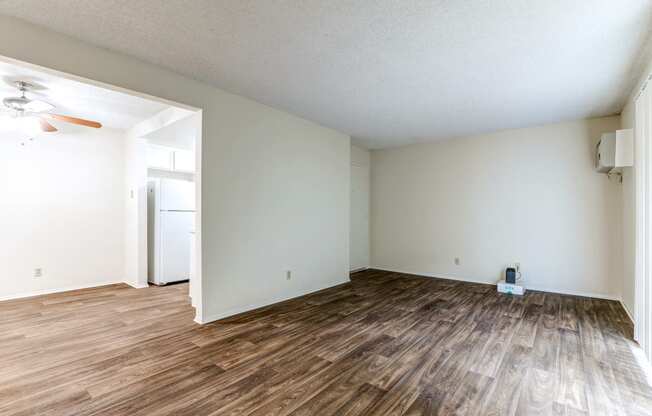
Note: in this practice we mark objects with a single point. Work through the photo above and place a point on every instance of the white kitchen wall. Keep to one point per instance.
(135, 243)
(528, 195)
(62, 211)
(275, 188)
(360, 185)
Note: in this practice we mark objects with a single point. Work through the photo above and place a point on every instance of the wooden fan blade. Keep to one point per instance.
(74, 120)
(46, 127)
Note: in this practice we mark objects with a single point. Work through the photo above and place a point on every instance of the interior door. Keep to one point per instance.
(359, 235)
(175, 245)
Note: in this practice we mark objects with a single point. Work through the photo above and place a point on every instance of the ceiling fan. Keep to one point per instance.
(24, 107)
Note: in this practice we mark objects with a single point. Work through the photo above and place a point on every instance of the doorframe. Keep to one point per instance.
(643, 223)
(198, 159)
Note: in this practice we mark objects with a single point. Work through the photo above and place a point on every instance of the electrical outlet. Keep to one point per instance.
(457, 261)
(38, 272)
(288, 275)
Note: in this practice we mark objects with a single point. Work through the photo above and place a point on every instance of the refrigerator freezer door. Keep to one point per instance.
(174, 255)
(177, 195)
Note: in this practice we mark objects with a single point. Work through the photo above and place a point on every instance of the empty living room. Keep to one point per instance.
(313, 207)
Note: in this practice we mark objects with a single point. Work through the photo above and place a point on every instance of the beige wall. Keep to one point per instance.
(275, 187)
(528, 195)
(62, 211)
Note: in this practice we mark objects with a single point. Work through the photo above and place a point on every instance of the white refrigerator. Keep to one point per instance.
(170, 222)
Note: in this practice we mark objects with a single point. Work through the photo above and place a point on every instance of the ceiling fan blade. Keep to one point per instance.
(38, 106)
(73, 120)
(45, 126)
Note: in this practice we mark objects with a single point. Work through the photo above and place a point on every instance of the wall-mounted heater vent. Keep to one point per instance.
(614, 150)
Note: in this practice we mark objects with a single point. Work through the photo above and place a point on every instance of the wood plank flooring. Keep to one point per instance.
(384, 344)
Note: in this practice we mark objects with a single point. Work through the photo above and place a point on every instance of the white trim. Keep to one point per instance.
(359, 269)
(198, 318)
(574, 293)
(137, 285)
(642, 200)
(627, 311)
(484, 282)
(436, 275)
(643, 86)
(268, 302)
(59, 290)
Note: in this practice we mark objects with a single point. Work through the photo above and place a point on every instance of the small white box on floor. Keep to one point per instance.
(511, 288)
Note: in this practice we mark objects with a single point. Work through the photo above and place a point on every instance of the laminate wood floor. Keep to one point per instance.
(385, 344)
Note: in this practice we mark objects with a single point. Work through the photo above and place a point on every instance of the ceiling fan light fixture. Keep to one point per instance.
(22, 105)
(16, 103)
(38, 106)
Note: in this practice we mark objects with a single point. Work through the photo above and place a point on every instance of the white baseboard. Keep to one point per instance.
(58, 290)
(136, 285)
(574, 293)
(527, 286)
(628, 312)
(359, 269)
(435, 275)
(241, 309)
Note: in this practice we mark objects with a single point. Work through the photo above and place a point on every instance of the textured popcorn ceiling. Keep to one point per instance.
(388, 72)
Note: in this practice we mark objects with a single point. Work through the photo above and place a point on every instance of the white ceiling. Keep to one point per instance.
(111, 108)
(180, 134)
(388, 72)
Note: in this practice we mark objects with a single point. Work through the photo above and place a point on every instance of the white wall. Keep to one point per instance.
(61, 210)
(135, 236)
(283, 205)
(527, 195)
(274, 187)
(360, 187)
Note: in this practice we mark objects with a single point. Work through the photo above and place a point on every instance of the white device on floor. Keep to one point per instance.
(170, 222)
(511, 288)
(512, 282)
